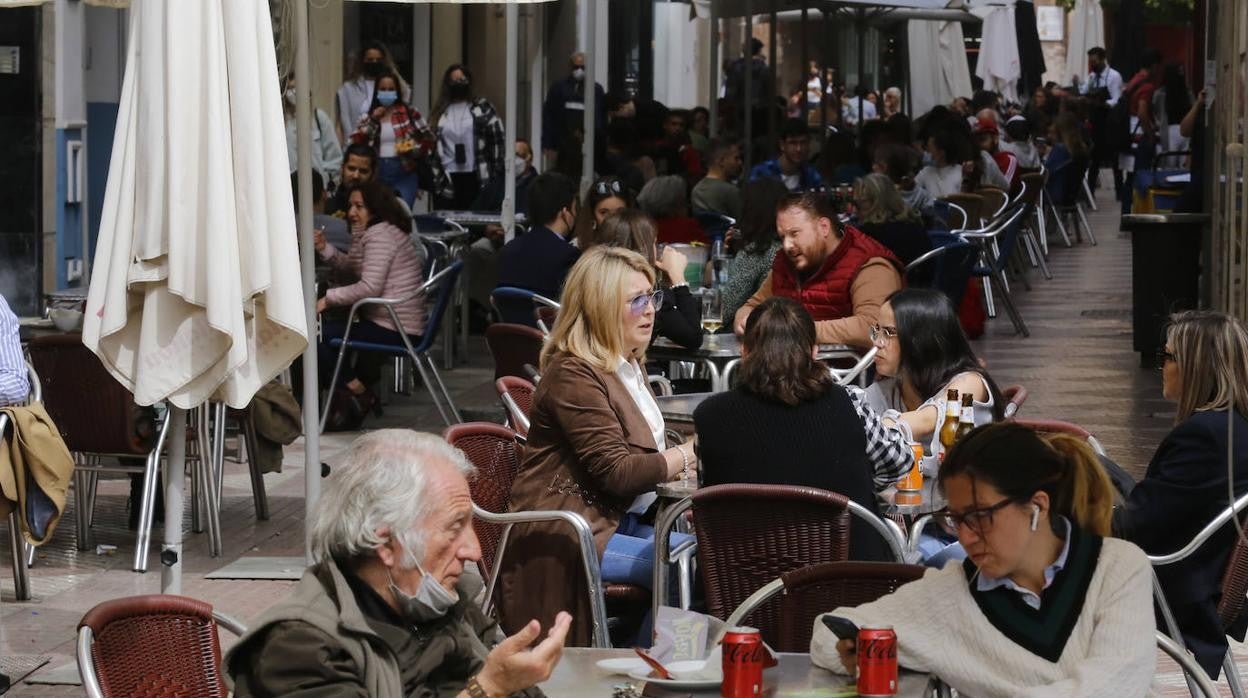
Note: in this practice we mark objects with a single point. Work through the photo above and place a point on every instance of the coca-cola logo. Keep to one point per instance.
(744, 653)
(873, 649)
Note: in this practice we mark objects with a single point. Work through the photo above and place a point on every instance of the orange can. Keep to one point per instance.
(913, 481)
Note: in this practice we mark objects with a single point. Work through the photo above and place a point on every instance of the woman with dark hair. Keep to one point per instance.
(1205, 373)
(922, 354)
(383, 263)
(1069, 148)
(788, 423)
(678, 316)
(757, 245)
(402, 140)
(470, 142)
(1046, 603)
(604, 197)
(356, 94)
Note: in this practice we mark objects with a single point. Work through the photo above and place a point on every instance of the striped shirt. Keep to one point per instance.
(14, 386)
(888, 449)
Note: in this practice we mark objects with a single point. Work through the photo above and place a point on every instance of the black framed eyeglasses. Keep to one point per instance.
(604, 187)
(977, 520)
(637, 304)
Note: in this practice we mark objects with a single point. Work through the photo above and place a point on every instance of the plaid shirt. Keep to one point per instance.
(409, 125)
(487, 131)
(14, 387)
(888, 449)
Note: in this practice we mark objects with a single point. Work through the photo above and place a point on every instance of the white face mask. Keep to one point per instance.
(431, 601)
(521, 164)
(578, 73)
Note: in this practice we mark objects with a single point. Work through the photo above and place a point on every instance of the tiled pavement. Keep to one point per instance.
(1077, 365)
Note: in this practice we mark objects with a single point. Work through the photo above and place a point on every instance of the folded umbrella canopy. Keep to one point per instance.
(998, 64)
(1087, 31)
(196, 291)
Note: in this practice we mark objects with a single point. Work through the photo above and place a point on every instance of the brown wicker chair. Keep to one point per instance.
(994, 200)
(808, 592)
(513, 346)
(517, 396)
(1053, 426)
(99, 421)
(750, 534)
(494, 450)
(972, 205)
(152, 646)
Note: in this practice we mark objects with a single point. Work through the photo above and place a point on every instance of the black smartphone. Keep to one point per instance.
(461, 154)
(843, 628)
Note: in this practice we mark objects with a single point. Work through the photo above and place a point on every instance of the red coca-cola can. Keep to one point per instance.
(877, 661)
(744, 658)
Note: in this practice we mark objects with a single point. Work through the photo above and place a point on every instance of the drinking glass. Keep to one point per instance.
(712, 310)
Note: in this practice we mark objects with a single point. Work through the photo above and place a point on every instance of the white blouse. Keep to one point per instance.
(634, 379)
(884, 396)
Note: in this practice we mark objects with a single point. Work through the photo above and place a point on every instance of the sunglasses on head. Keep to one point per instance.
(613, 186)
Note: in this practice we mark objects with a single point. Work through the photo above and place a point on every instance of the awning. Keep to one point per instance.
(738, 8)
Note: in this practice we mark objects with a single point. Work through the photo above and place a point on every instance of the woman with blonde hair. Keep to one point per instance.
(596, 445)
(679, 316)
(884, 215)
(1045, 604)
(1205, 371)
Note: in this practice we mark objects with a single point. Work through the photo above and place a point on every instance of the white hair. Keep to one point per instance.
(893, 92)
(381, 485)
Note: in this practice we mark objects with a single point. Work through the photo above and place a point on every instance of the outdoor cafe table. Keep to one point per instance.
(919, 506)
(720, 354)
(679, 408)
(577, 675)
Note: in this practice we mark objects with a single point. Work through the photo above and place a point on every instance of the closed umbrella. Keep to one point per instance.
(1030, 53)
(938, 68)
(195, 293)
(998, 64)
(1087, 30)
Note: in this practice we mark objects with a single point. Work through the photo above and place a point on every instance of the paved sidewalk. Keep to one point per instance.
(1077, 365)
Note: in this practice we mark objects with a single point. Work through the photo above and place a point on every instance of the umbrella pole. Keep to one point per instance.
(311, 386)
(175, 477)
(513, 121)
(591, 95)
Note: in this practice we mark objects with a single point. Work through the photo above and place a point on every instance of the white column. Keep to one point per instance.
(311, 380)
(537, 79)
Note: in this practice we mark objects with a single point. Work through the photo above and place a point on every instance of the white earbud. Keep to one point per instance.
(1035, 516)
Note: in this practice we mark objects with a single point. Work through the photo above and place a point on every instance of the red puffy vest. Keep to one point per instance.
(825, 294)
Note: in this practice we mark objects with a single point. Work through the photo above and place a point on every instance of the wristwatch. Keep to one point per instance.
(473, 687)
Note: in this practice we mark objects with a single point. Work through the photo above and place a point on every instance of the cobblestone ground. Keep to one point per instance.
(1077, 366)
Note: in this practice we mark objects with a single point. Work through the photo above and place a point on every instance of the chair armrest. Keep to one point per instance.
(589, 556)
(893, 536)
(514, 411)
(1205, 533)
(1191, 669)
(923, 258)
(229, 622)
(662, 529)
(846, 376)
(661, 384)
(86, 667)
(745, 608)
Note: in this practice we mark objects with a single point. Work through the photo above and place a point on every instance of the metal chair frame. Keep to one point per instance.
(524, 294)
(994, 262)
(887, 528)
(937, 256)
(1192, 672)
(86, 638)
(846, 376)
(518, 417)
(1223, 518)
(1059, 210)
(444, 282)
(1036, 250)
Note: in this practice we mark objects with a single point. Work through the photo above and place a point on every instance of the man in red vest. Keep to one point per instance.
(838, 273)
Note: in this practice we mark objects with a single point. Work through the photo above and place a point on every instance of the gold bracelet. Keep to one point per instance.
(684, 457)
(474, 690)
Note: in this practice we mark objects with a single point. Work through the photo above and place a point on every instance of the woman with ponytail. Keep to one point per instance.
(1205, 371)
(1044, 604)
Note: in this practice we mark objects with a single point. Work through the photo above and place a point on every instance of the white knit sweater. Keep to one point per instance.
(942, 630)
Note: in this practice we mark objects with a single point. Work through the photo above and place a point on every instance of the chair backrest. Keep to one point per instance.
(94, 412)
(1065, 183)
(440, 292)
(995, 200)
(1015, 396)
(1234, 583)
(513, 346)
(492, 448)
(948, 268)
(152, 645)
(545, 316)
(817, 589)
(750, 534)
(515, 304)
(520, 392)
(1032, 186)
(972, 204)
(1011, 221)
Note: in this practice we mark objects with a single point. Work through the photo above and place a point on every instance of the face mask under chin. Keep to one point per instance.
(430, 602)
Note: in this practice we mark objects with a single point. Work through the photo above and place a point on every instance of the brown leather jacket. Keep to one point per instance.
(589, 451)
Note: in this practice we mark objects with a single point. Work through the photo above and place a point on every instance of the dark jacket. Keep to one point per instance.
(537, 261)
(335, 637)
(1182, 490)
(589, 451)
(679, 318)
(564, 111)
(743, 438)
(907, 240)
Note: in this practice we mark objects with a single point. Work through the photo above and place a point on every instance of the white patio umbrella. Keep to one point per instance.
(195, 293)
(938, 68)
(998, 64)
(1087, 30)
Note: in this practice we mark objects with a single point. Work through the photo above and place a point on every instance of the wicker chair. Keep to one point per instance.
(968, 207)
(1053, 426)
(152, 646)
(513, 346)
(494, 450)
(808, 592)
(750, 534)
(516, 395)
(99, 421)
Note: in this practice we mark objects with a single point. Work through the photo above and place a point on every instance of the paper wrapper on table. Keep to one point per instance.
(687, 635)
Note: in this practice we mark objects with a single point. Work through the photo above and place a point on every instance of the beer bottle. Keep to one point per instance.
(967, 421)
(949, 428)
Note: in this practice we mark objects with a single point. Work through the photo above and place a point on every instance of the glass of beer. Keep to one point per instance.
(712, 310)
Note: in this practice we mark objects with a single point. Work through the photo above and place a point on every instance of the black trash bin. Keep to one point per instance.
(1165, 273)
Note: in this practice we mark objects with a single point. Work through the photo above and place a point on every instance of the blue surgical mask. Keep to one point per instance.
(928, 159)
(387, 97)
(431, 601)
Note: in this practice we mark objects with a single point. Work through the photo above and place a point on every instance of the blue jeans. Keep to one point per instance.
(405, 184)
(937, 550)
(629, 557)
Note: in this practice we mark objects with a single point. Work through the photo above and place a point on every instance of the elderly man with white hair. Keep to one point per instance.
(387, 610)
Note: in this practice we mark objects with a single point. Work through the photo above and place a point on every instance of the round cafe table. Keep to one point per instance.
(679, 408)
(577, 674)
(721, 353)
(920, 506)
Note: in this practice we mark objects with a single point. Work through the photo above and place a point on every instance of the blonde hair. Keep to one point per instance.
(879, 201)
(1211, 350)
(591, 320)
